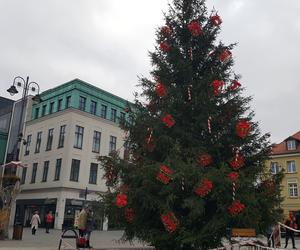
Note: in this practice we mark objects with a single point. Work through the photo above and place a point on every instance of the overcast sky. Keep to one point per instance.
(106, 43)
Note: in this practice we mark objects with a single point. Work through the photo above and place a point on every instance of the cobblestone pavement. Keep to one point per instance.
(107, 240)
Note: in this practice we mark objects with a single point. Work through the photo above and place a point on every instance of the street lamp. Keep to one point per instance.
(27, 87)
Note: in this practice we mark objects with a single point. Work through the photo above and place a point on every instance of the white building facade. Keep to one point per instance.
(73, 125)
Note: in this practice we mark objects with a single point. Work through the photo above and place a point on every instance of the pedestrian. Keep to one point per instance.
(35, 221)
(82, 217)
(90, 226)
(289, 233)
(270, 236)
(49, 220)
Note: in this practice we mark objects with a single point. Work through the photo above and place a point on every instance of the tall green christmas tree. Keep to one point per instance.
(196, 162)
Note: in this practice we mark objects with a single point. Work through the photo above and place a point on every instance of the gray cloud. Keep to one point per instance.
(106, 43)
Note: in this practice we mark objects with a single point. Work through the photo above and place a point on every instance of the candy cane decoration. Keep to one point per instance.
(191, 53)
(150, 136)
(209, 124)
(189, 92)
(233, 190)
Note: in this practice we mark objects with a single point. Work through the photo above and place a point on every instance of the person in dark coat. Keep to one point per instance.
(90, 226)
(290, 222)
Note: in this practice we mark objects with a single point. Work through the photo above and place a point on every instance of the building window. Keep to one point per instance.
(122, 116)
(34, 170)
(82, 102)
(59, 105)
(126, 150)
(291, 167)
(49, 140)
(93, 107)
(78, 137)
(96, 142)
(27, 146)
(68, 102)
(36, 113)
(75, 170)
(293, 189)
(23, 178)
(45, 172)
(61, 138)
(38, 142)
(93, 173)
(274, 168)
(112, 143)
(57, 169)
(113, 115)
(51, 108)
(103, 111)
(44, 110)
(291, 145)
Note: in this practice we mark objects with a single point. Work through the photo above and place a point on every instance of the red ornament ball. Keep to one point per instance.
(236, 207)
(121, 200)
(168, 120)
(170, 221)
(243, 128)
(160, 90)
(216, 20)
(204, 188)
(164, 47)
(233, 176)
(195, 28)
(205, 160)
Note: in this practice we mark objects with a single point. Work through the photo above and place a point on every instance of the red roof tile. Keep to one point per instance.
(281, 148)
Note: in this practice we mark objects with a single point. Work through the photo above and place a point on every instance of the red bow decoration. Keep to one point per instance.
(243, 128)
(216, 20)
(233, 176)
(164, 175)
(164, 47)
(236, 207)
(166, 30)
(204, 188)
(205, 160)
(234, 85)
(121, 200)
(195, 28)
(168, 120)
(160, 90)
(129, 214)
(237, 162)
(170, 221)
(225, 55)
(217, 85)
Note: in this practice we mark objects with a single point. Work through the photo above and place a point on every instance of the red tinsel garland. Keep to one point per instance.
(217, 85)
(243, 128)
(238, 161)
(129, 214)
(168, 120)
(160, 90)
(225, 55)
(204, 188)
(121, 200)
(236, 207)
(170, 221)
(216, 20)
(205, 160)
(195, 28)
(233, 176)
(166, 30)
(164, 47)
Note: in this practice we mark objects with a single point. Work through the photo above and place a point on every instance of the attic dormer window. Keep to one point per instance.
(291, 144)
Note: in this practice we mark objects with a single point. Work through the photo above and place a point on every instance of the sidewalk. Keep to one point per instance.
(100, 240)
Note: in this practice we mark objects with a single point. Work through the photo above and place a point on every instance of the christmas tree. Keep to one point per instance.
(196, 162)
